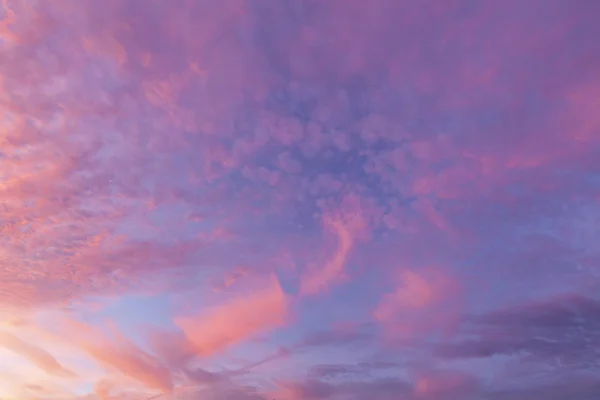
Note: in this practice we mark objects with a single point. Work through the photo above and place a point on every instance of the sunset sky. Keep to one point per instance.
(299, 199)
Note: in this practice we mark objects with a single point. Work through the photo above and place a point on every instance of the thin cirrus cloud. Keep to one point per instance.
(324, 200)
(36, 355)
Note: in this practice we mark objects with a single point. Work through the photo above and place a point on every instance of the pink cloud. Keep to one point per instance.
(351, 222)
(147, 147)
(220, 327)
(444, 384)
(121, 354)
(323, 276)
(102, 390)
(36, 355)
(424, 300)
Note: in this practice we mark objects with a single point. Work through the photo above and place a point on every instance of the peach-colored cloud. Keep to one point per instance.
(241, 318)
(102, 389)
(35, 354)
(120, 354)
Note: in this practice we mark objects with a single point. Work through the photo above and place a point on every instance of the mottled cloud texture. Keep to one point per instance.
(299, 200)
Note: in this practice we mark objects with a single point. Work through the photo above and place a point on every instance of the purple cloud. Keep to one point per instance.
(311, 195)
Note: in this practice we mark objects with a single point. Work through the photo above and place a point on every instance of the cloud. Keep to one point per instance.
(325, 275)
(423, 301)
(337, 337)
(445, 385)
(313, 130)
(379, 389)
(581, 387)
(179, 355)
(149, 147)
(561, 331)
(36, 355)
(172, 347)
(381, 381)
(226, 392)
(116, 351)
(349, 221)
(102, 390)
(237, 320)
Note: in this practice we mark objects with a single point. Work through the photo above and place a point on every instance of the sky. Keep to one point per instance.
(299, 199)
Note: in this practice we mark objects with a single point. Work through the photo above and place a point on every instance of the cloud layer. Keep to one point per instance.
(333, 200)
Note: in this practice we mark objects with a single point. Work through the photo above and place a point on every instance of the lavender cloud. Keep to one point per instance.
(189, 151)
